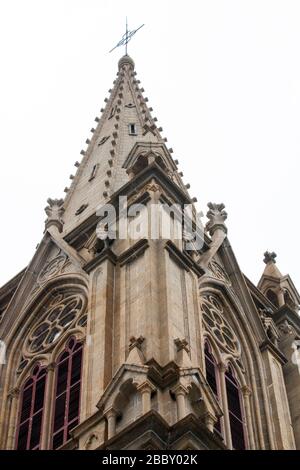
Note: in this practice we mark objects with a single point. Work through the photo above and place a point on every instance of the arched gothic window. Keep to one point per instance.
(225, 338)
(212, 378)
(31, 411)
(271, 295)
(235, 411)
(67, 393)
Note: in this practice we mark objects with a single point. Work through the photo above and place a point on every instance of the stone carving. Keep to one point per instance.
(136, 342)
(217, 216)
(270, 257)
(217, 230)
(218, 272)
(214, 321)
(92, 441)
(52, 268)
(182, 344)
(286, 329)
(55, 211)
(269, 325)
(61, 313)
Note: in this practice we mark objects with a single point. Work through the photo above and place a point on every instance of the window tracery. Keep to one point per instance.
(217, 325)
(65, 310)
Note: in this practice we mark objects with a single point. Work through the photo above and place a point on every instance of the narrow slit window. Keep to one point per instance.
(132, 129)
(93, 172)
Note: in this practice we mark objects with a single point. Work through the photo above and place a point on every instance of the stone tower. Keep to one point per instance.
(143, 341)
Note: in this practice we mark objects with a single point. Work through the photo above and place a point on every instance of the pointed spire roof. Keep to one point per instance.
(271, 269)
(125, 122)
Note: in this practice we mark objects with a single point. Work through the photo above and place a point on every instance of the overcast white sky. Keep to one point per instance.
(223, 78)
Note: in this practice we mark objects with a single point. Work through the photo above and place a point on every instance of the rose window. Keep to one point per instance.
(63, 311)
(213, 317)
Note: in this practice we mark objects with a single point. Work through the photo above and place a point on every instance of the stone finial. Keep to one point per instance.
(126, 60)
(181, 344)
(270, 257)
(136, 342)
(55, 211)
(217, 217)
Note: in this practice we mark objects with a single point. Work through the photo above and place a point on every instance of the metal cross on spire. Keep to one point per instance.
(126, 37)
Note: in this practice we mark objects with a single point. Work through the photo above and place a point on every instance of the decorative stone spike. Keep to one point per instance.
(115, 134)
(71, 177)
(110, 162)
(188, 186)
(105, 193)
(77, 164)
(87, 141)
(142, 89)
(108, 172)
(181, 174)
(55, 211)
(150, 109)
(146, 100)
(176, 162)
(160, 129)
(194, 199)
(155, 119)
(82, 152)
(112, 152)
(110, 90)
(217, 216)
(66, 190)
(171, 150)
(105, 100)
(101, 110)
(121, 95)
(116, 126)
(106, 182)
(97, 119)
(113, 142)
(92, 130)
(117, 117)
(165, 139)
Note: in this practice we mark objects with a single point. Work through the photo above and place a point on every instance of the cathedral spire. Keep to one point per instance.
(126, 122)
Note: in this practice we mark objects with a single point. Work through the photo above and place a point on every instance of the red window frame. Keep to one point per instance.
(236, 411)
(66, 408)
(30, 422)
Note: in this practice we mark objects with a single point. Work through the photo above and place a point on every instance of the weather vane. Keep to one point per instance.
(126, 37)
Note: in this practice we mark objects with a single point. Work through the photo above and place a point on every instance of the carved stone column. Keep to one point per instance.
(210, 421)
(180, 393)
(146, 388)
(246, 399)
(111, 416)
(49, 393)
(227, 429)
(13, 396)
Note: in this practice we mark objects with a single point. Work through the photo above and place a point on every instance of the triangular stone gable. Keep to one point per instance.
(49, 261)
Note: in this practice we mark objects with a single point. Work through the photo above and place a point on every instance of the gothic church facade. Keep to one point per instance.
(140, 343)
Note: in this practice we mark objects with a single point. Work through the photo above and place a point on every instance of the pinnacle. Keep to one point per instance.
(126, 60)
